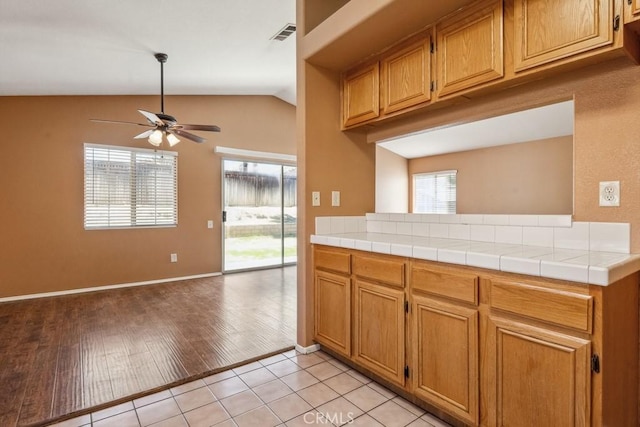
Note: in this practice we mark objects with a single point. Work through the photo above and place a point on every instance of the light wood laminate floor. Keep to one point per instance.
(79, 353)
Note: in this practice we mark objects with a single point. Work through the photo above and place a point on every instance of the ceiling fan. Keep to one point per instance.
(162, 124)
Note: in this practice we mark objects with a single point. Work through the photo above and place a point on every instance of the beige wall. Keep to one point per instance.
(527, 178)
(44, 245)
(392, 184)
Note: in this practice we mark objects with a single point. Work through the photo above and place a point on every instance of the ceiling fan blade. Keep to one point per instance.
(120, 122)
(208, 128)
(152, 117)
(188, 135)
(144, 134)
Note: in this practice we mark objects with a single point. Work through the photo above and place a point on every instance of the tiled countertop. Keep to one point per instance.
(597, 268)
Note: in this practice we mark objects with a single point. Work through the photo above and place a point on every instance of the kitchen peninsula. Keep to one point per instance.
(513, 313)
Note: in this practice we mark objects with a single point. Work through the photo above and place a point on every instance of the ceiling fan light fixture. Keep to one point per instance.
(173, 140)
(155, 138)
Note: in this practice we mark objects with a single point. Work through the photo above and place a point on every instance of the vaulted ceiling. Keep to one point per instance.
(106, 47)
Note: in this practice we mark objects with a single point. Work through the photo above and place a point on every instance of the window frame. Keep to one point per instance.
(133, 184)
(435, 174)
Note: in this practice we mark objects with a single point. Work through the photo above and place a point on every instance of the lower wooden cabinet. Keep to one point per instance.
(445, 356)
(485, 348)
(541, 378)
(332, 314)
(379, 328)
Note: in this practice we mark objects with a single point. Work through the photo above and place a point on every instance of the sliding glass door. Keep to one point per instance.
(259, 202)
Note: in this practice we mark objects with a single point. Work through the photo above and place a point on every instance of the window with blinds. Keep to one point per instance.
(435, 192)
(129, 187)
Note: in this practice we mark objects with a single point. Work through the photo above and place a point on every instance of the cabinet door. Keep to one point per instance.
(537, 377)
(548, 30)
(445, 362)
(361, 95)
(406, 77)
(332, 326)
(379, 329)
(469, 48)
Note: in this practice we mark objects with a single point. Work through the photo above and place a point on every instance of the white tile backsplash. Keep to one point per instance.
(449, 219)
(459, 231)
(554, 220)
(355, 224)
(471, 219)
(404, 228)
(537, 236)
(397, 217)
(390, 228)
(439, 230)
(323, 225)
(429, 217)
(337, 225)
(508, 234)
(374, 226)
(420, 229)
(575, 237)
(528, 220)
(483, 233)
(496, 219)
(609, 237)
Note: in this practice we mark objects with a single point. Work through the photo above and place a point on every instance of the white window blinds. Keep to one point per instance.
(435, 192)
(129, 187)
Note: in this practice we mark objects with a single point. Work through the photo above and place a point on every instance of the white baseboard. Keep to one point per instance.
(307, 350)
(103, 288)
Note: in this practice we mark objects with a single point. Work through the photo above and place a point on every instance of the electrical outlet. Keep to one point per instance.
(315, 198)
(174, 257)
(210, 223)
(610, 193)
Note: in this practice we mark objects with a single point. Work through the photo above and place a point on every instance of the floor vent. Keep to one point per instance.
(285, 32)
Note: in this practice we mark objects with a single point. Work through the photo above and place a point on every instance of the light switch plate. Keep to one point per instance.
(315, 198)
(335, 198)
(210, 223)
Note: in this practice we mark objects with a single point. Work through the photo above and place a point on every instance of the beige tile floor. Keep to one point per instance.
(289, 389)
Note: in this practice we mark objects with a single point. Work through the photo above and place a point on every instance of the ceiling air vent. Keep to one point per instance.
(285, 32)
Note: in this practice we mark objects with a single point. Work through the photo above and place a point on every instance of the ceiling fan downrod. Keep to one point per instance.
(162, 58)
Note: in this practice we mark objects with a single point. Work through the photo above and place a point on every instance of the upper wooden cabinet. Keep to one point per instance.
(361, 95)
(406, 77)
(635, 7)
(549, 30)
(470, 48)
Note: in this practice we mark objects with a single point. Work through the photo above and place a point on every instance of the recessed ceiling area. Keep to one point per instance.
(106, 47)
(549, 121)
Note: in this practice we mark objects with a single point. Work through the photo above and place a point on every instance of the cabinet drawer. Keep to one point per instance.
(560, 308)
(385, 270)
(330, 260)
(457, 286)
